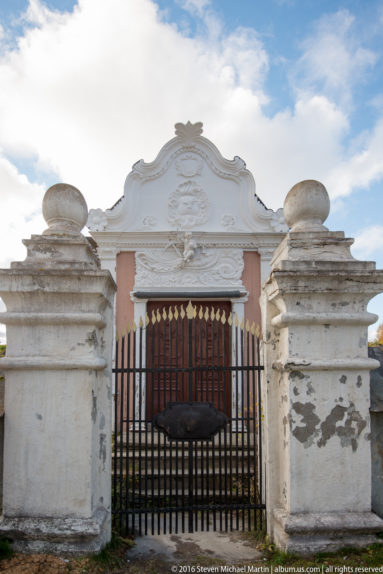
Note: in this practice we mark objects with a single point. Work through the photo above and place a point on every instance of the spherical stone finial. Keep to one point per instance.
(307, 206)
(64, 210)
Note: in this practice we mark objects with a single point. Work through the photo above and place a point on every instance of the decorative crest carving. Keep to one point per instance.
(188, 205)
(188, 131)
(189, 165)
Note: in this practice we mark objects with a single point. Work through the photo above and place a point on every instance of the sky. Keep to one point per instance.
(293, 87)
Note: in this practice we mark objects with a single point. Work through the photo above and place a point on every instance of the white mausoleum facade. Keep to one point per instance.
(189, 226)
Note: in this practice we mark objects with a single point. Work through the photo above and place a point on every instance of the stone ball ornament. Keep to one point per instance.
(64, 209)
(307, 206)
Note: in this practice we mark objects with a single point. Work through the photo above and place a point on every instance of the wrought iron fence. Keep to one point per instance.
(188, 433)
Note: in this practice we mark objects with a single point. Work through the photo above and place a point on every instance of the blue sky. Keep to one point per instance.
(294, 87)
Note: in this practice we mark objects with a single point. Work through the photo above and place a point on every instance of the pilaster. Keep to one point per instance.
(57, 452)
(317, 398)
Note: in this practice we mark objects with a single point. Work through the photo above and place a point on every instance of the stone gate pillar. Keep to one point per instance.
(316, 397)
(57, 451)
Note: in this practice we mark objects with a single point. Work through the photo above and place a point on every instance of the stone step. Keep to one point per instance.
(151, 465)
(136, 437)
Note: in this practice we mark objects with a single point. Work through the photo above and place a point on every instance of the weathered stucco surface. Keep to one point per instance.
(316, 394)
(58, 393)
(377, 430)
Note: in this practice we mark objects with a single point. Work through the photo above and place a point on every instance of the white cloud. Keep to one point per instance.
(333, 60)
(21, 212)
(89, 93)
(363, 168)
(368, 241)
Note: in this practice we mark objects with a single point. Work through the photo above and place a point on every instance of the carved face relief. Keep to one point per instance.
(189, 165)
(188, 206)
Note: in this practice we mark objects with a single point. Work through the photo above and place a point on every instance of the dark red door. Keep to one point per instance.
(186, 357)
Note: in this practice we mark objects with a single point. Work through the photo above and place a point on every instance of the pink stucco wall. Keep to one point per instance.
(251, 278)
(125, 272)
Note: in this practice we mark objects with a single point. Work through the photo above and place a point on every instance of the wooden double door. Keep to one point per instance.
(188, 355)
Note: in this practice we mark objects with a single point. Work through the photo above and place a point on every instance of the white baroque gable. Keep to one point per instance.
(188, 187)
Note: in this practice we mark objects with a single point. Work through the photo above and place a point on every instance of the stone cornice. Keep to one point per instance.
(51, 364)
(292, 364)
(122, 241)
(10, 318)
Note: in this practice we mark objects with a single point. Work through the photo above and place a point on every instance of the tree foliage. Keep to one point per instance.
(378, 340)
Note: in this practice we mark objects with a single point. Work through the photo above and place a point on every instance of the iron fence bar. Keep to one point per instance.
(182, 326)
(122, 385)
(241, 485)
(140, 429)
(260, 431)
(255, 454)
(115, 441)
(126, 339)
(158, 433)
(249, 421)
(202, 457)
(152, 426)
(134, 424)
(190, 449)
(215, 337)
(170, 442)
(177, 446)
(165, 396)
(230, 477)
(145, 406)
(192, 369)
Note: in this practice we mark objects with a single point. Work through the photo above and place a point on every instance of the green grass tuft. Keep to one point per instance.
(5, 548)
(113, 553)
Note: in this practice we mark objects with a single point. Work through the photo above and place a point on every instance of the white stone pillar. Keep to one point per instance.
(57, 452)
(316, 397)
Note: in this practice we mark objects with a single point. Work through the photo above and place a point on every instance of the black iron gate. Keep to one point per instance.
(188, 435)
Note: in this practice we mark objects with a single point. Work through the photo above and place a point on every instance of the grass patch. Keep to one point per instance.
(5, 548)
(113, 555)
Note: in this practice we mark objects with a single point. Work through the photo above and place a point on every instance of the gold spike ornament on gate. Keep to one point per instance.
(190, 311)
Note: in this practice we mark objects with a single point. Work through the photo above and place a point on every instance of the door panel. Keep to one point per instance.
(186, 355)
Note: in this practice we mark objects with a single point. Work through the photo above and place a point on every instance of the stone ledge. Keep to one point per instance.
(306, 318)
(46, 534)
(50, 364)
(301, 364)
(312, 532)
(25, 318)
